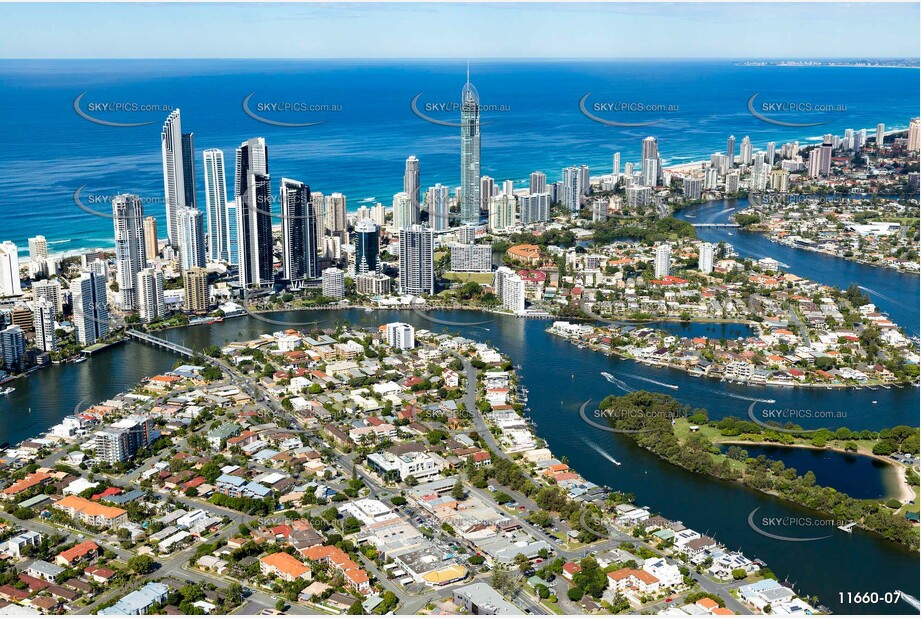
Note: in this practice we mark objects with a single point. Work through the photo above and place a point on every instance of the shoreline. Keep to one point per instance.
(620, 355)
(906, 493)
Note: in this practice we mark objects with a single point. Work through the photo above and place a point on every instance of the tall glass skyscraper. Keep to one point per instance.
(178, 172)
(253, 198)
(367, 247)
(470, 154)
(298, 232)
(216, 204)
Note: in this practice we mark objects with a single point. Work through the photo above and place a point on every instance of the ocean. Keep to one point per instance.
(531, 115)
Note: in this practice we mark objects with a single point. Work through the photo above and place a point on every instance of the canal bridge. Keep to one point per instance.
(161, 343)
(716, 225)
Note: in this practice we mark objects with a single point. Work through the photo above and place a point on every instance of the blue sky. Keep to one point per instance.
(621, 30)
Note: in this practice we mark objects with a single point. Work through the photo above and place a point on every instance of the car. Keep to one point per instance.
(668, 600)
(522, 508)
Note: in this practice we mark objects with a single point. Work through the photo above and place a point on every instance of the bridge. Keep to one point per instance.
(716, 225)
(161, 343)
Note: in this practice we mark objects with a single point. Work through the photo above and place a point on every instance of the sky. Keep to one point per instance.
(441, 30)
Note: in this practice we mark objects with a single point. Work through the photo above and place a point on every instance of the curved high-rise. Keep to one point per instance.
(470, 154)
(367, 247)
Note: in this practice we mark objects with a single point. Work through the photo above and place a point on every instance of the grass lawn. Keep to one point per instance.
(481, 278)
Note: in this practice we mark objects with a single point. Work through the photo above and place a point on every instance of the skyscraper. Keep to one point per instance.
(197, 296)
(216, 204)
(253, 199)
(731, 150)
(663, 260)
(151, 244)
(151, 306)
(534, 208)
(538, 183)
(12, 348)
(333, 283)
(880, 135)
(820, 160)
(616, 168)
(436, 200)
(651, 151)
(43, 323)
(188, 170)
(9, 269)
(417, 275)
(411, 184)
(510, 289)
(91, 314)
(50, 290)
(367, 247)
(705, 258)
(298, 232)
(572, 188)
(176, 148)
(501, 212)
(233, 233)
(650, 172)
(130, 249)
(402, 210)
(38, 248)
(914, 135)
(191, 238)
(470, 154)
(336, 221)
(319, 210)
(745, 151)
(487, 190)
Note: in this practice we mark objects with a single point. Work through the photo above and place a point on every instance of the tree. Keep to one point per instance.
(575, 594)
(457, 492)
(739, 574)
(141, 564)
(542, 591)
(356, 609)
(280, 605)
(234, 594)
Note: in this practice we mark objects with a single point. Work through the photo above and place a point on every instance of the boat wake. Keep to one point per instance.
(601, 451)
(651, 381)
(883, 296)
(617, 383)
(743, 397)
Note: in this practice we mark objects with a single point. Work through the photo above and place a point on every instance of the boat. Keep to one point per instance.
(7, 390)
(368, 310)
(874, 401)
(81, 359)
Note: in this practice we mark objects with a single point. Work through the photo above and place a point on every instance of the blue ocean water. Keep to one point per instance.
(359, 150)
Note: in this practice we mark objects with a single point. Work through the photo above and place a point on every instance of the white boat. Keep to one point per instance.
(80, 360)
(7, 390)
